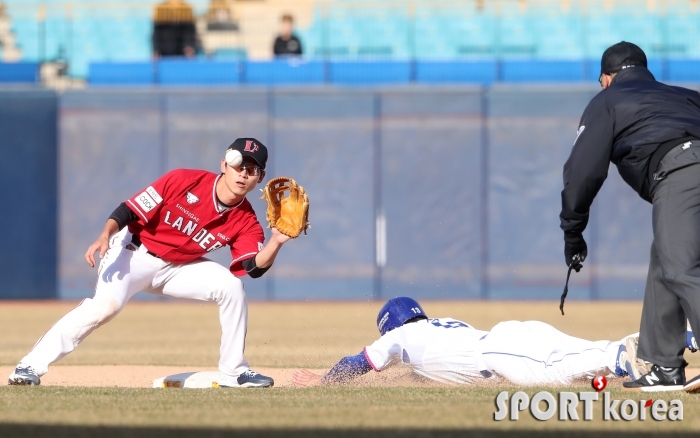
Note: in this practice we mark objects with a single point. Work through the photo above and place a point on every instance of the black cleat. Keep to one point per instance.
(247, 379)
(658, 380)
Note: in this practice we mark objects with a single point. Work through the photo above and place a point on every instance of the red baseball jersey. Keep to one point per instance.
(179, 220)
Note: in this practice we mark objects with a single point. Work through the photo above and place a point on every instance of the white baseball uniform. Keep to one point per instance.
(525, 353)
(179, 222)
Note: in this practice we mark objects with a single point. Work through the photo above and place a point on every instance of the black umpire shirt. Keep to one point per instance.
(632, 123)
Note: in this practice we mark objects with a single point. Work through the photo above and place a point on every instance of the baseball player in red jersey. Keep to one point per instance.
(156, 242)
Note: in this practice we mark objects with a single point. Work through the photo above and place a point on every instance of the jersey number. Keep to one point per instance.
(448, 324)
(415, 310)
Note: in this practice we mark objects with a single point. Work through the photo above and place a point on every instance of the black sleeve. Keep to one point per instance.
(252, 269)
(299, 50)
(587, 166)
(277, 46)
(123, 215)
(188, 32)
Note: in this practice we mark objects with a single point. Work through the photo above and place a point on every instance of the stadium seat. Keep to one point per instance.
(368, 73)
(284, 71)
(198, 72)
(478, 72)
(19, 72)
(425, 31)
(107, 73)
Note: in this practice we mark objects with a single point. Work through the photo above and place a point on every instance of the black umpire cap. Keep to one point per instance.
(621, 56)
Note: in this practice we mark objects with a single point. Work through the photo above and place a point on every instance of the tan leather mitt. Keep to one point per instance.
(290, 214)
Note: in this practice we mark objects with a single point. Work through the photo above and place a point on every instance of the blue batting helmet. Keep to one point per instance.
(396, 312)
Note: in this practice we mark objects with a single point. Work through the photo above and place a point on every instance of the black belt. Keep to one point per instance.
(659, 154)
(136, 241)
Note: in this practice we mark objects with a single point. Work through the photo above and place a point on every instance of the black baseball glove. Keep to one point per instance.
(575, 250)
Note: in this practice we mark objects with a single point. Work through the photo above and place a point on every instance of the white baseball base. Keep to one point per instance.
(202, 379)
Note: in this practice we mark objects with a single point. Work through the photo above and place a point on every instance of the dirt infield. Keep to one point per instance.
(282, 335)
(151, 340)
(139, 376)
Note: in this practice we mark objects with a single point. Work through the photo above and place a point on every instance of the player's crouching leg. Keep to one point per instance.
(233, 312)
(208, 281)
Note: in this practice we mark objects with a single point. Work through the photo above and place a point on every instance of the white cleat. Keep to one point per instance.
(24, 375)
(634, 366)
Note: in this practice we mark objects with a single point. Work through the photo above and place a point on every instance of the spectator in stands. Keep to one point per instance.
(173, 29)
(287, 43)
(220, 17)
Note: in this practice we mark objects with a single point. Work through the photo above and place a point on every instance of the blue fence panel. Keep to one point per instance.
(621, 238)
(285, 71)
(430, 222)
(24, 72)
(112, 145)
(199, 72)
(439, 192)
(122, 73)
(28, 156)
(480, 72)
(531, 132)
(326, 141)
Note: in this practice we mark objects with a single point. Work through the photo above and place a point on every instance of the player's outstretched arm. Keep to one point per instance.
(344, 371)
(102, 242)
(267, 255)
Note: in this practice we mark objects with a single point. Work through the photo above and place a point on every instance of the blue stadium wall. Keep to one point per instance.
(465, 181)
(28, 171)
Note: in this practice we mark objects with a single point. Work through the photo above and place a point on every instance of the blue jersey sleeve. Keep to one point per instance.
(347, 369)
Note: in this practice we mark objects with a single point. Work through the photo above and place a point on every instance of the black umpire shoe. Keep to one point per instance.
(658, 380)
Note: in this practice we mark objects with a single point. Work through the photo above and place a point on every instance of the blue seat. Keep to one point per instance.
(543, 71)
(19, 72)
(107, 73)
(200, 72)
(367, 73)
(479, 72)
(684, 70)
(424, 30)
(284, 71)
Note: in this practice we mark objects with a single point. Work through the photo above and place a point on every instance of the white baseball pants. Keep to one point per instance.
(535, 353)
(123, 273)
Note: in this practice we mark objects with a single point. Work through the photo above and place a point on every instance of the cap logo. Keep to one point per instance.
(251, 146)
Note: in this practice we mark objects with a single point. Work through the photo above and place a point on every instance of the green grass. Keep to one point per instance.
(350, 411)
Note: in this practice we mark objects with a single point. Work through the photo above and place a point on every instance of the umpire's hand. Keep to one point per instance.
(575, 250)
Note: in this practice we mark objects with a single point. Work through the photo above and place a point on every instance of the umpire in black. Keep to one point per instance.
(651, 131)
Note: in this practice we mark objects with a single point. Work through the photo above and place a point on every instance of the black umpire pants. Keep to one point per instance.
(673, 284)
